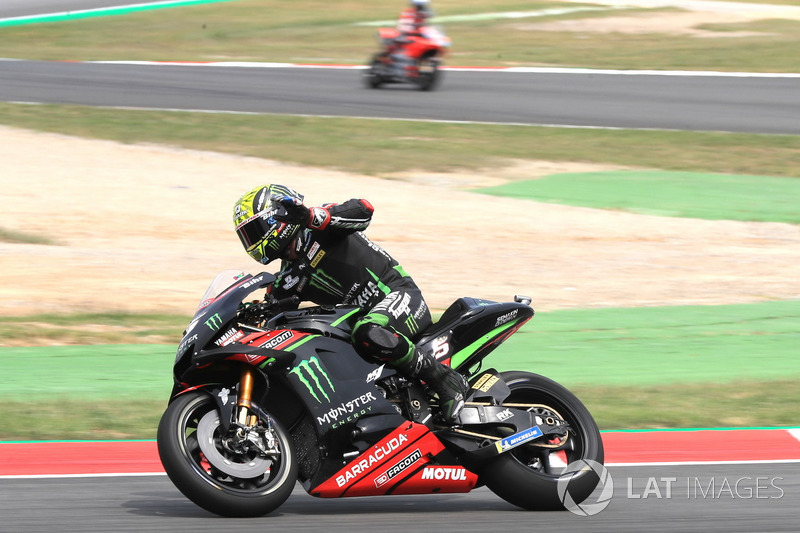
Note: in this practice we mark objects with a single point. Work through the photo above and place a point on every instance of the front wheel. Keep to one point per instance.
(428, 74)
(235, 473)
(528, 476)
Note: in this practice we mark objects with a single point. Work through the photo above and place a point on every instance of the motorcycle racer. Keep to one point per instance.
(412, 18)
(326, 259)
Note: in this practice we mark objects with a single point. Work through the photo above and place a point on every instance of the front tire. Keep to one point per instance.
(429, 74)
(528, 476)
(198, 458)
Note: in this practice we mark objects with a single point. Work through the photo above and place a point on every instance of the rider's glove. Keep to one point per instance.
(294, 211)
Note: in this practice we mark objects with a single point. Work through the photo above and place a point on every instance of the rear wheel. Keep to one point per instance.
(528, 476)
(229, 473)
(372, 76)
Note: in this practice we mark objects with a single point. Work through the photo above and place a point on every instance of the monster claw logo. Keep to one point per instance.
(214, 322)
(316, 380)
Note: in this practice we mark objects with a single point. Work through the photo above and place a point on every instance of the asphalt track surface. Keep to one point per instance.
(709, 480)
(743, 499)
(580, 99)
(26, 8)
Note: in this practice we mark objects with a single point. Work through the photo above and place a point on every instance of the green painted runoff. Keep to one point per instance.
(664, 193)
(602, 347)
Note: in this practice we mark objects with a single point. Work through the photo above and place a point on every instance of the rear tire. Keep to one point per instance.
(372, 77)
(528, 476)
(209, 473)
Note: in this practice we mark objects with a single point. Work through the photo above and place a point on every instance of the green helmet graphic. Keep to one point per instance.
(262, 235)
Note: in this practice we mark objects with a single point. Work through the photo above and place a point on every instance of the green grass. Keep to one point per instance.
(669, 367)
(764, 52)
(23, 237)
(380, 147)
(92, 328)
(73, 418)
(321, 31)
(676, 194)
(740, 404)
(746, 403)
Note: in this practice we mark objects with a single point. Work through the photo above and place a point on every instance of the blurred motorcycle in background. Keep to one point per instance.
(411, 58)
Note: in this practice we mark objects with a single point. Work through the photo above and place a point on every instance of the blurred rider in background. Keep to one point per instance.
(412, 18)
(326, 259)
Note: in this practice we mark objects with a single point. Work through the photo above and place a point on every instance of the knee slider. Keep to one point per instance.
(373, 341)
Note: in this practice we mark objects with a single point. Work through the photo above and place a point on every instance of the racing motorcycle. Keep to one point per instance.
(425, 51)
(267, 394)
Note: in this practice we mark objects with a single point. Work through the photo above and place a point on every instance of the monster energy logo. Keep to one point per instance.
(412, 325)
(314, 378)
(214, 322)
(326, 283)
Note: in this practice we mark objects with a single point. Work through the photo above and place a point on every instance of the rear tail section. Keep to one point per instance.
(471, 328)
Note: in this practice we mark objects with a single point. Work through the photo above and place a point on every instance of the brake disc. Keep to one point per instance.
(235, 465)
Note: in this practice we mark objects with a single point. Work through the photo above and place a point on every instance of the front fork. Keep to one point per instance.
(247, 432)
(243, 403)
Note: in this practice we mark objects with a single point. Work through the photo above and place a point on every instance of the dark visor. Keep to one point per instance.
(252, 231)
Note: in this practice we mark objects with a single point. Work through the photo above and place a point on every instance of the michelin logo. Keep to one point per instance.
(518, 439)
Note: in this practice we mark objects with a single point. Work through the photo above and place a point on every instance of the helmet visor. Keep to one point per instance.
(253, 230)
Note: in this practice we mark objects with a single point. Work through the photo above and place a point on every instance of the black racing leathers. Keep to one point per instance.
(337, 264)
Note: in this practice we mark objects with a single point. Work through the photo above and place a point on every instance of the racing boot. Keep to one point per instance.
(449, 385)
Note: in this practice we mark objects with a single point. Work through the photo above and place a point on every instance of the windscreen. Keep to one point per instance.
(223, 281)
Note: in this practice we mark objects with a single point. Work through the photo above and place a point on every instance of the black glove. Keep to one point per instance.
(294, 212)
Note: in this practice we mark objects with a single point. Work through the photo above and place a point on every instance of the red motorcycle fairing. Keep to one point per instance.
(272, 340)
(415, 45)
(401, 463)
(388, 34)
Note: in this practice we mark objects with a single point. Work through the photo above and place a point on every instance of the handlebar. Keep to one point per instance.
(270, 306)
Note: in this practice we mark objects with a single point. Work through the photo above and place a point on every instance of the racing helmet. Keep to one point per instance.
(421, 5)
(262, 235)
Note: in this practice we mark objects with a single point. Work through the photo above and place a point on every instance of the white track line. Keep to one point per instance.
(395, 119)
(502, 70)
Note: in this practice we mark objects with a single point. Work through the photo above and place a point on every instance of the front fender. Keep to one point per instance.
(225, 398)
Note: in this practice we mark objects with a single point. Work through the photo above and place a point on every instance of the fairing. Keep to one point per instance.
(217, 308)
(405, 462)
(327, 394)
